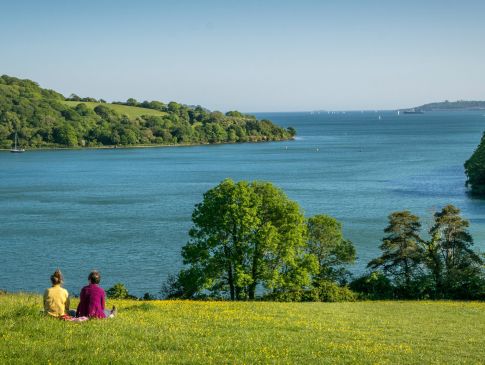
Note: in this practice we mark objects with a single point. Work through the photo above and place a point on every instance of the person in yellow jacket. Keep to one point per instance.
(56, 298)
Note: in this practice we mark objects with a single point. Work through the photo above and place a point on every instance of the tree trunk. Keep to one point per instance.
(407, 274)
(437, 274)
(230, 277)
(254, 274)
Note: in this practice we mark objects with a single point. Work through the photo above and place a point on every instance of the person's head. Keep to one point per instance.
(94, 277)
(57, 278)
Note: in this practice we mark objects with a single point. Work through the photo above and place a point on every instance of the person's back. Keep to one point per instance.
(56, 298)
(92, 299)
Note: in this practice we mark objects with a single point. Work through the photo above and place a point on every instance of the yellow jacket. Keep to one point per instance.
(56, 301)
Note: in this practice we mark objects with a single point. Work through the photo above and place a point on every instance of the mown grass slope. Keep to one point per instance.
(130, 111)
(185, 332)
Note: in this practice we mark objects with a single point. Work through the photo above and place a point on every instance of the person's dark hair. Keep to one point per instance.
(94, 277)
(57, 277)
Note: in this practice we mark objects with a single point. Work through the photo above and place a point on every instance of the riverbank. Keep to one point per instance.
(114, 147)
(185, 332)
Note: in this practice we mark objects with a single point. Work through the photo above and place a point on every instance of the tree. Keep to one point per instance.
(106, 113)
(223, 224)
(455, 268)
(74, 97)
(234, 113)
(402, 250)
(132, 102)
(291, 131)
(327, 244)
(65, 135)
(246, 235)
(280, 260)
(173, 107)
(118, 291)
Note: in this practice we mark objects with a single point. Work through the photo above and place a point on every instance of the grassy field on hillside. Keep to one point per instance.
(130, 111)
(187, 332)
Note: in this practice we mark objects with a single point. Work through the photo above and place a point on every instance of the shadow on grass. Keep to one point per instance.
(22, 312)
(145, 307)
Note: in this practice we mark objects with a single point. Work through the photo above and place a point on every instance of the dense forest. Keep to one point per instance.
(45, 118)
(453, 105)
(475, 170)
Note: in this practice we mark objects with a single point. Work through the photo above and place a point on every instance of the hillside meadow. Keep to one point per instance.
(191, 332)
(130, 111)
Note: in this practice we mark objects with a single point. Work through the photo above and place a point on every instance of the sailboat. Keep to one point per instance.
(17, 149)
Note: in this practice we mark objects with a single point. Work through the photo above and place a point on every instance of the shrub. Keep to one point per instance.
(118, 291)
(323, 291)
(374, 285)
(328, 291)
(148, 296)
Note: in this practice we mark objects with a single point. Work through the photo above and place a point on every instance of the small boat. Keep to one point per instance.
(17, 149)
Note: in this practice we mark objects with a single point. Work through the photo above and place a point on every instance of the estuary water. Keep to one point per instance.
(126, 212)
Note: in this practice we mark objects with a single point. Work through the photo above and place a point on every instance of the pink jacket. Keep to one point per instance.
(92, 300)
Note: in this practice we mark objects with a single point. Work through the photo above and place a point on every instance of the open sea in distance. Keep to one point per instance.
(126, 212)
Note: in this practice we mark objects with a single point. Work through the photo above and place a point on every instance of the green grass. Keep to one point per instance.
(178, 332)
(130, 111)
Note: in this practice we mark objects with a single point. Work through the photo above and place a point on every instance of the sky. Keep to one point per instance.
(250, 55)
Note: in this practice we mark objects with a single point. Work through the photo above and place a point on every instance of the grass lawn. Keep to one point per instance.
(186, 332)
(130, 111)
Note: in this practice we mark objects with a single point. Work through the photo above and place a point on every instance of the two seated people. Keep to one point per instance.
(91, 303)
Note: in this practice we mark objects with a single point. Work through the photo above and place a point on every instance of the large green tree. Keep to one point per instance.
(454, 266)
(246, 235)
(402, 250)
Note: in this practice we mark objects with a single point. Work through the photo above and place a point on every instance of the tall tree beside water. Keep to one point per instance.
(402, 251)
(454, 266)
(247, 235)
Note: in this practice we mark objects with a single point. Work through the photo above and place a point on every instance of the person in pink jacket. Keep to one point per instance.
(92, 299)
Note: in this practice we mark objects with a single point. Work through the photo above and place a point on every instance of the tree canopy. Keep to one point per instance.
(401, 249)
(455, 267)
(332, 251)
(247, 235)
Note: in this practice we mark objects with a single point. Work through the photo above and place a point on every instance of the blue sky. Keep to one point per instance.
(251, 55)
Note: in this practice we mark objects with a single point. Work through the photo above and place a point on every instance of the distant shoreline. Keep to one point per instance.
(116, 147)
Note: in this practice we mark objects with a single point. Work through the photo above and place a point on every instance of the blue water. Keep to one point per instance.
(126, 212)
